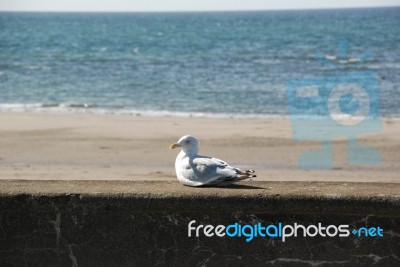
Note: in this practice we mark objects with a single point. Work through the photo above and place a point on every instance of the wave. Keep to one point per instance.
(86, 108)
(40, 106)
(75, 108)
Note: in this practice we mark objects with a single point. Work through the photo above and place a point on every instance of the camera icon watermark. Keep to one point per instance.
(344, 103)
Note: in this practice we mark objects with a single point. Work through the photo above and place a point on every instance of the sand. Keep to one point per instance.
(109, 147)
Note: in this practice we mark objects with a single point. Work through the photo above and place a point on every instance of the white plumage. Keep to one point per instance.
(196, 170)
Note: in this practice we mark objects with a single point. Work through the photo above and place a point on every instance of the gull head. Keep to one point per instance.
(188, 144)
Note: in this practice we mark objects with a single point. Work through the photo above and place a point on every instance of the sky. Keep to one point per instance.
(184, 5)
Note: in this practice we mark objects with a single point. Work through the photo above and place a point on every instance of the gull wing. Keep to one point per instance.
(212, 171)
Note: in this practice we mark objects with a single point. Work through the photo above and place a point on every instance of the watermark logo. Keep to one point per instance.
(342, 103)
(279, 230)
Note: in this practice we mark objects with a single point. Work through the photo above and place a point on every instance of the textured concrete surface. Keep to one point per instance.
(123, 223)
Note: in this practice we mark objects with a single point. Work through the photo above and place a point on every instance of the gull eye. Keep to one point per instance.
(187, 141)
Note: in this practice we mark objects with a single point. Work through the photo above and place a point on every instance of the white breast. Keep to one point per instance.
(184, 171)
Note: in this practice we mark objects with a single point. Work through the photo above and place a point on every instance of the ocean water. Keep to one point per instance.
(223, 63)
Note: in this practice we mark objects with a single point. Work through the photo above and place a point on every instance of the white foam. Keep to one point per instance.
(86, 108)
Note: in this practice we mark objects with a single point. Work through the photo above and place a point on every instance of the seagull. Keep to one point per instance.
(196, 170)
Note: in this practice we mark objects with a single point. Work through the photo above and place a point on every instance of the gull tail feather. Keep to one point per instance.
(245, 174)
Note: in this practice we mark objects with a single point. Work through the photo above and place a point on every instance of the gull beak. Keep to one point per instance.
(174, 146)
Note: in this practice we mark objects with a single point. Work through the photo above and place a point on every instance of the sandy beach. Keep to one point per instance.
(109, 147)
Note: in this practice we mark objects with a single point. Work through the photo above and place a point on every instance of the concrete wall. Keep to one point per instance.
(122, 223)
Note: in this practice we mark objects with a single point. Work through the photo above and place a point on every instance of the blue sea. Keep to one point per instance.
(199, 64)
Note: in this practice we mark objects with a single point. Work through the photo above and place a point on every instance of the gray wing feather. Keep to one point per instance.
(212, 170)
